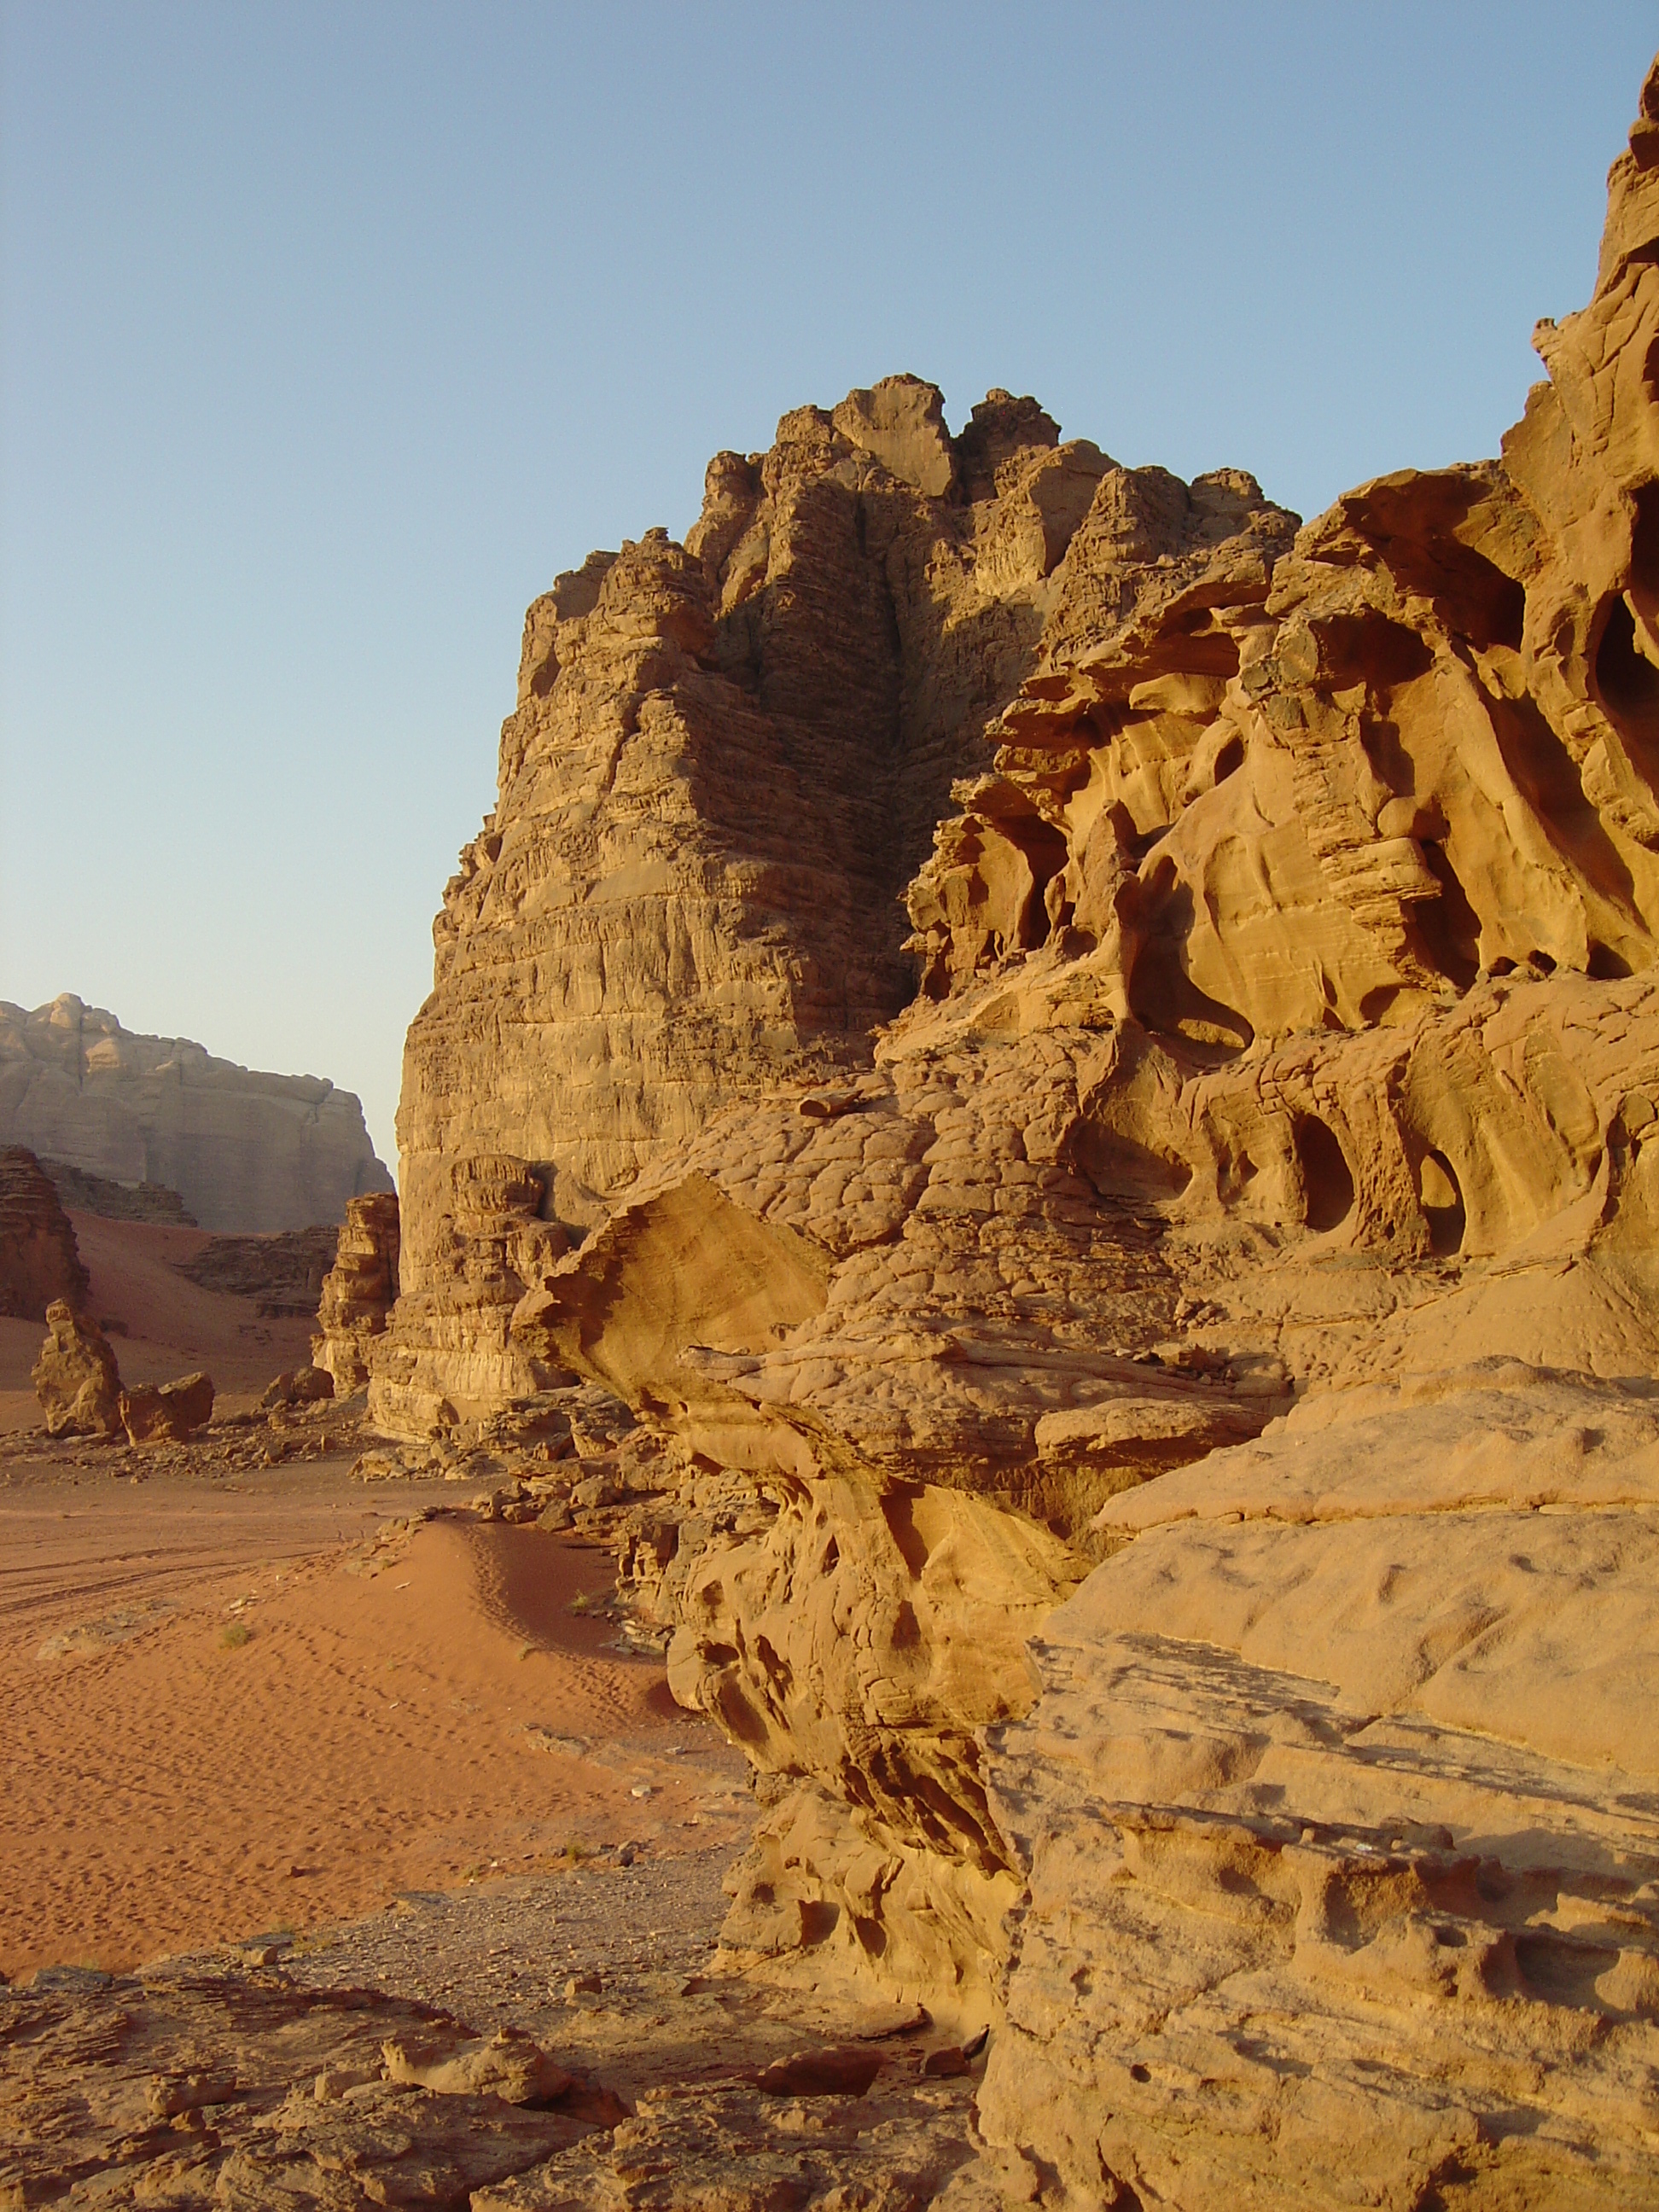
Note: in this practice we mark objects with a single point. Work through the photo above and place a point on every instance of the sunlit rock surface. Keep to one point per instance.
(1159, 1339)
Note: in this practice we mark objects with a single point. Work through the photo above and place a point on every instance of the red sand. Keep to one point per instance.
(167, 1326)
(374, 1734)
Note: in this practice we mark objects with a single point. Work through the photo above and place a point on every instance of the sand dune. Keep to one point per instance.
(399, 1715)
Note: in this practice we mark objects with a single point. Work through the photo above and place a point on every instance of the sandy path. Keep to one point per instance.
(445, 1715)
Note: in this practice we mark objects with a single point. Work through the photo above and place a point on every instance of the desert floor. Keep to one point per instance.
(161, 1324)
(268, 1702)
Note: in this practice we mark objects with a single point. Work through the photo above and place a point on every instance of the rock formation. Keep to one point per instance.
(40, 1261)
(1165, 1387)
(169, 1412)
(283, 1273)
(359, 1291)
(118, 1201)
(76, 1378)
(1339, 1800)
(726, 762)
(247, 1151)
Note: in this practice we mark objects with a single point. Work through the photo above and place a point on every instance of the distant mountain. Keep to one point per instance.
(247, 1151)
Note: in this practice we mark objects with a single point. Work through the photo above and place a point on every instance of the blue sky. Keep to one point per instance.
(329, 333)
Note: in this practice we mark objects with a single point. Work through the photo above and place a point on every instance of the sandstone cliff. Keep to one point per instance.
(246, 1151)
(40, 1261)
(1163, 1392)
(727, 761)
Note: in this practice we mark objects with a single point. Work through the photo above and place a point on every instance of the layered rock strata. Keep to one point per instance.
(40, 1260)
(247, 1151)
(1338, 1816)
(727, 760)
(1284, 1018)
(358, 1292)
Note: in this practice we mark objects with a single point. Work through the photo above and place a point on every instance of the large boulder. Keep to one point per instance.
(171, 1412)
(76, 1378)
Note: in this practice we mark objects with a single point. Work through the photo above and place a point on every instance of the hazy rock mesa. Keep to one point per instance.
(1260, 1747)
(40, 1261)
(246, 1151)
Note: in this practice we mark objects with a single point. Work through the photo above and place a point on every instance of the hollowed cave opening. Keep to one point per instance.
(1447, 927)
(1370, 649)
(1549, 777)
(1645, 546)
(1046, 855)
(817, 1921)
(1162, 996)
(1119, 1168)
(1041, 845)
(1414, 525)
(1606, 965)
(1628, 683)
(1327, 1178)
(1442, 1197)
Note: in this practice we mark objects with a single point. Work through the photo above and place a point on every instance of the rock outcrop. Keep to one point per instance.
(727, 760)
(167, 1412)
(283, 1273)
(40, 1261)
(76, 1378)
(247, 1151)
(1339, 1801)
(1257, 1745)
(118, 1201)
(359, 1291)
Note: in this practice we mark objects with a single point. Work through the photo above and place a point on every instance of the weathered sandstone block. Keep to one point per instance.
(76, 1378)
(171, 1412)
(359, 1291)
(1338, 1799)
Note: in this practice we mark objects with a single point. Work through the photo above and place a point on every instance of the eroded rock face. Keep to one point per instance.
(1340, 1798)
(76, 1378)
(40, 1261)
(1285, 1019)
(246, 1151)
(727, 761)
(358, 1292)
